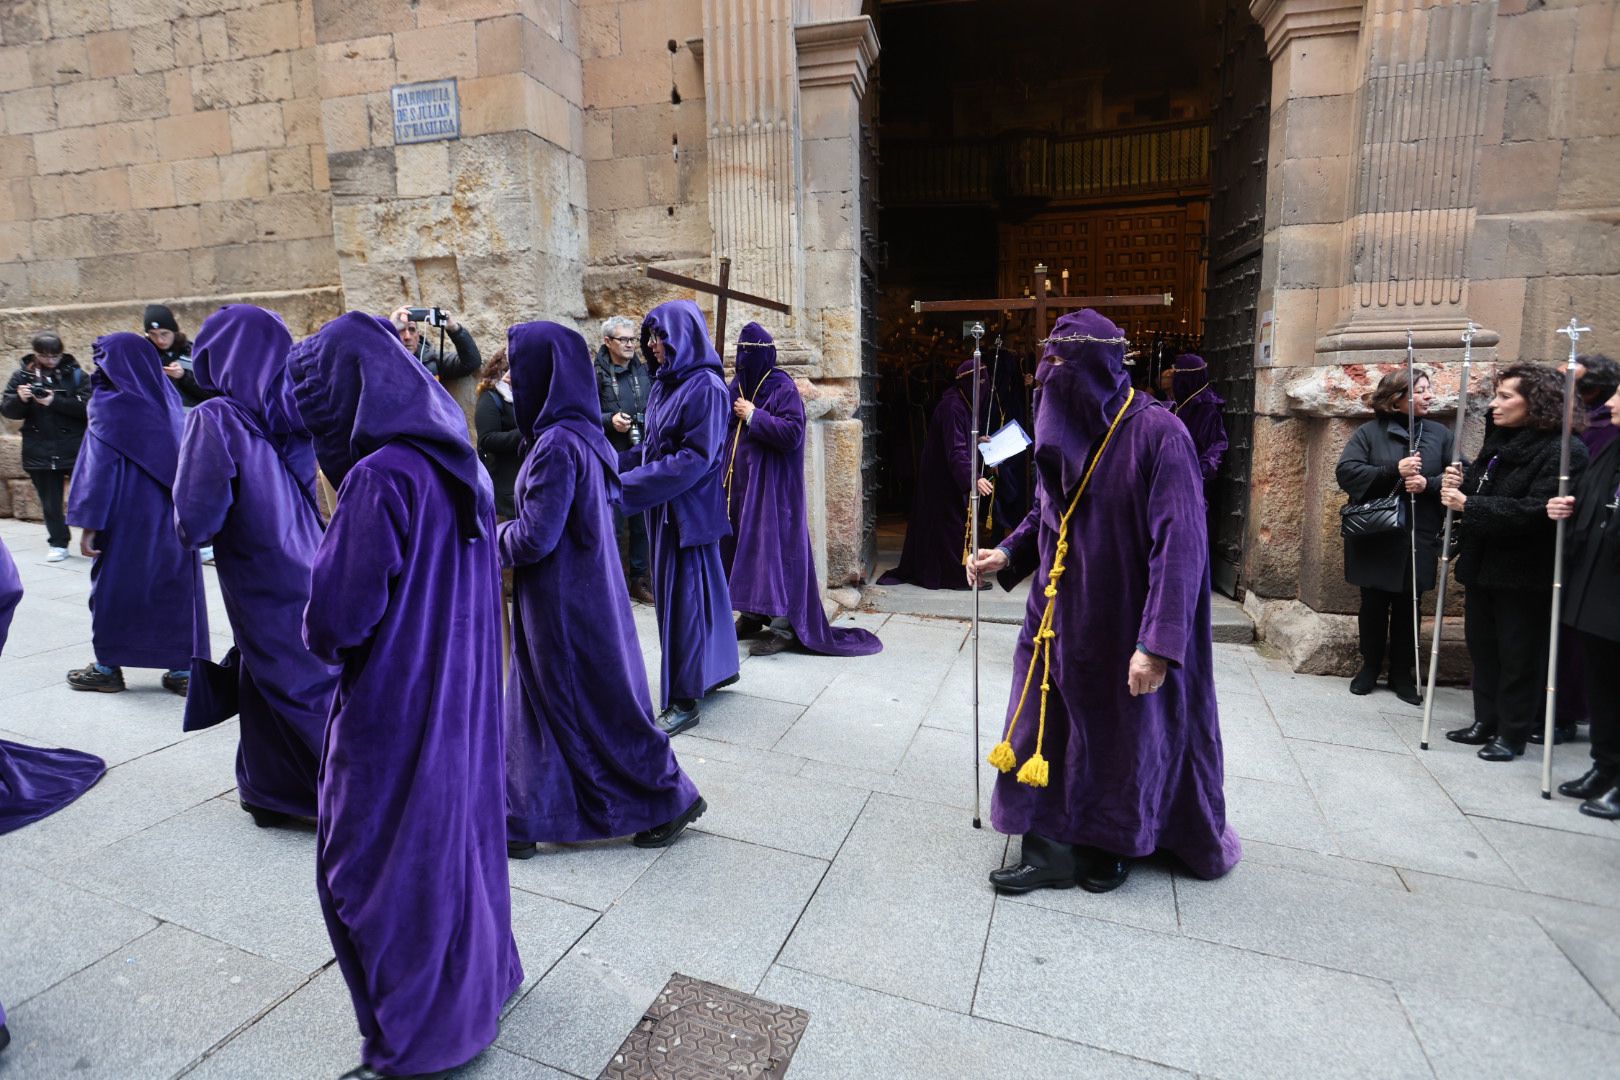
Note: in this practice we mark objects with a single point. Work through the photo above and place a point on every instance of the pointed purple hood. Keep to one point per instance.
(554, 385)
(688, 348)
(1191, 376)
(241, 351)
(135, 408)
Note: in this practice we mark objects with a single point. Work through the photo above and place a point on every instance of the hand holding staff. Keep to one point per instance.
(1573, 331)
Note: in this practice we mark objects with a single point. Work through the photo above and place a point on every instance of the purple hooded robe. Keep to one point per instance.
(147, 607)
(405, 598)
(677, 475)
(246, 485)
(768, 554)
(1198, 407)
(1129, 775)
(34, 782)
(936, 534)
(584, 760)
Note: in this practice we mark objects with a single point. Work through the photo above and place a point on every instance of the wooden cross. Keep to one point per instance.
(1043, 300)
(723, 291)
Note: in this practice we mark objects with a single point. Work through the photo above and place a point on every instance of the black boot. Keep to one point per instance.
(749, 626)
(366, 1072)
(1606, 805)
(682, 715)
(1407, 692)
(1476, 734)
(1106, 873)
(1595, 782)
(1562, 733)
(266, 819)
(5, 1037)
(1501, 748)
(665, 834)
(1042, 864)
(520, 849)
(1365, 682)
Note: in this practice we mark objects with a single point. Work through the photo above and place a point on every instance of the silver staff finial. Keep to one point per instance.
(977, 331)
(1574, 331)
(1468, 334)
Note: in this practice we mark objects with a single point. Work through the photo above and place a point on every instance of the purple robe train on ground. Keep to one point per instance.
(677, 475)
(405, 597)
(584, 760)
(246, 485)
(1129, 775)
(34, 782)
(147, 607)
(768, 556)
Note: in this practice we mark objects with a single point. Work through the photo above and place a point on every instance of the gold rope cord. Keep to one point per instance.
(1177, 410)
(731, 465)
(1036, 771)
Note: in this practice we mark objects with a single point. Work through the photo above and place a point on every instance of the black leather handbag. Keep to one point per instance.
(1374, 517)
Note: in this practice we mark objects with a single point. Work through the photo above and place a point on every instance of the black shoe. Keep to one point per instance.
(722, 684)
(749, 626)
(1501, 748)
(266, 819)
(770, 645)
(1606, 805)
(1026, 877)
(366, 1072)
(1562, 733)
(1365, 682)
(1407, 692)
(665, 834)
(176, 684)
(1106, 873)
(516, 849)
(1476, 734)
(5, 1037)
(93, 678)
(1594, 783)
(678, 718)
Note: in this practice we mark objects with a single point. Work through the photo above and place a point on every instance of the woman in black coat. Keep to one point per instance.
(1505, 556)
(1592, 609)
(1375, 463)
(498, 435)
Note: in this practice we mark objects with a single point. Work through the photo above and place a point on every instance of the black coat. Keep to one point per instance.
(498, 440)
(191, 392)
(1592, 550)
(1368, 469)
(623, 391)
(51, 434)
(1506, 538)
(461, 358)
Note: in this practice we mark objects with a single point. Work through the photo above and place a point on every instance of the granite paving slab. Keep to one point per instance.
(774, 810)
(1571, 865)
(115, 727)
(1594, 949)
(861, 720)
(53, 929)
(1312, 708)
(311, 1035)
(1260, 853)
(1283, 814)
(1465, 1041)
(1501, 898)
(590, 875)
(745, 720)
(1147, 900)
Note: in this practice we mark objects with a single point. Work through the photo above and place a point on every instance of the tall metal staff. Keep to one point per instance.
(1445, 534)
(973, 552)
(1412, 444)
(1574, 331)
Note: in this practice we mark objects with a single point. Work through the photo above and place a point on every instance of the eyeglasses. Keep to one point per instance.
(624, 340)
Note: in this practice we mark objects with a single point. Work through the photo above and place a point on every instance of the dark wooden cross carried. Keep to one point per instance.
(722, 292)
(1042, 302)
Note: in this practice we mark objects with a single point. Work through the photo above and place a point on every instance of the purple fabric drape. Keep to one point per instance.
(1129, 775)
(405, 599)
(768, 556)
(584, 759)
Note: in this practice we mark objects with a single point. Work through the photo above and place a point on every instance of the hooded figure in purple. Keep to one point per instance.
(936, 534)
(411, 846)
(1198, 407)
(246, 485)
(147, 607)
(584, 759)
(773, 573)
(1127, 759)
(677, 475)
(34, 782)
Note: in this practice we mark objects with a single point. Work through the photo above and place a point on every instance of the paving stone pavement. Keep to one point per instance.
(1397, 913)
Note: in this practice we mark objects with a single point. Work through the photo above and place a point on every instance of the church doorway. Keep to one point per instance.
(1122, 146)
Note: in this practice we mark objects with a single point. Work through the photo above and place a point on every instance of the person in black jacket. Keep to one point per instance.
(623, 384)
(159, 325)
(498, 436)
(1505, 556)
(440, 363)
(1591, 589)
(1375, 463)
(47, 393)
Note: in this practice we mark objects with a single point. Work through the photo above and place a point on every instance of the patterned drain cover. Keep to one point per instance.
(696, 1030)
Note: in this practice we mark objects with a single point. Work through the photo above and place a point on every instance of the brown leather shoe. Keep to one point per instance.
(770, 645)
(641, 591)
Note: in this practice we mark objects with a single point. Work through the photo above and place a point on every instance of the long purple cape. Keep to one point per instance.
(677, 475)
(1198, 407)
(584, 760)
(34, 782)
(405, 597)
(1129, 775)
(147, 606)
(773, 571)
(246, 486)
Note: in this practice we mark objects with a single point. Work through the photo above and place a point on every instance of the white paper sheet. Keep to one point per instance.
(1009, 442)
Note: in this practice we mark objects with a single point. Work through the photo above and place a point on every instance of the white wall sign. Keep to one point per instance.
(426, 111)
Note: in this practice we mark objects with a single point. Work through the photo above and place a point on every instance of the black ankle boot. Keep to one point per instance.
(1365, 682)
(1501, 748)
(1476, 734)
(1407, 692)
(1106, 873)
(1589, 786)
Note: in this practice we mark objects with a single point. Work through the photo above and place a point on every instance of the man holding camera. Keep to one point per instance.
(47, 393)
(409, 323)
(623, 385)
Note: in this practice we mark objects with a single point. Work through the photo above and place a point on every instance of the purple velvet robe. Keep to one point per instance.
(937, 532)
(1198, 407)
(34, 782)
(1129, 775)
(147, 607)
(405, 598)
(246, 485)
(677, 475)
(768, 555)
(584, 760)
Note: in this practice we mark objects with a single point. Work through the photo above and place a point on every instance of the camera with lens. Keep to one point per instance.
(431, 316)
(40, 388)
(636, 420)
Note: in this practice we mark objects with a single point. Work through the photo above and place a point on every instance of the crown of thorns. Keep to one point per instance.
(756, 344)
(1086, 337)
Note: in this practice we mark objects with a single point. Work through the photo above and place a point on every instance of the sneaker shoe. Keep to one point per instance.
(92, 677)
(57, 554)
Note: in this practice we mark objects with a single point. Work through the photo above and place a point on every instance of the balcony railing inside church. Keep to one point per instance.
(1024, 166)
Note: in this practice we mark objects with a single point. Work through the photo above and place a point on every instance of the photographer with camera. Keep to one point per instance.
(47, 393)
(623, 384)
(409, 323)
(163, 331)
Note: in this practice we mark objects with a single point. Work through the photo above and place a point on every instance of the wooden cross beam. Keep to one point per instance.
(1042, 301)
(723, 291)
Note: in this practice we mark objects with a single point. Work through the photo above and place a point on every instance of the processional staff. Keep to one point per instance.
(973, 550)
(1413, 443)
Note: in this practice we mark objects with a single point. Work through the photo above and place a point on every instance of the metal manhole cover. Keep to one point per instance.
(696, 1030)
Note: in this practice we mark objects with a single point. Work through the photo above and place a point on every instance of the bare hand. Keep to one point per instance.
(87, 541)
(1147, 673)
(988, 561)
(621, 422)
(450, 324)
(1417, 484)
(174, 371)
(743, 409)
(985, 486)
(1453, 499)
(1452, 478)
(1561, 507)
(1410, 466)
(25, 392)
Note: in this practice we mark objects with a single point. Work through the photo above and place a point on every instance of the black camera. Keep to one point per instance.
(431, 316)
(635, 428)
(40, 388)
